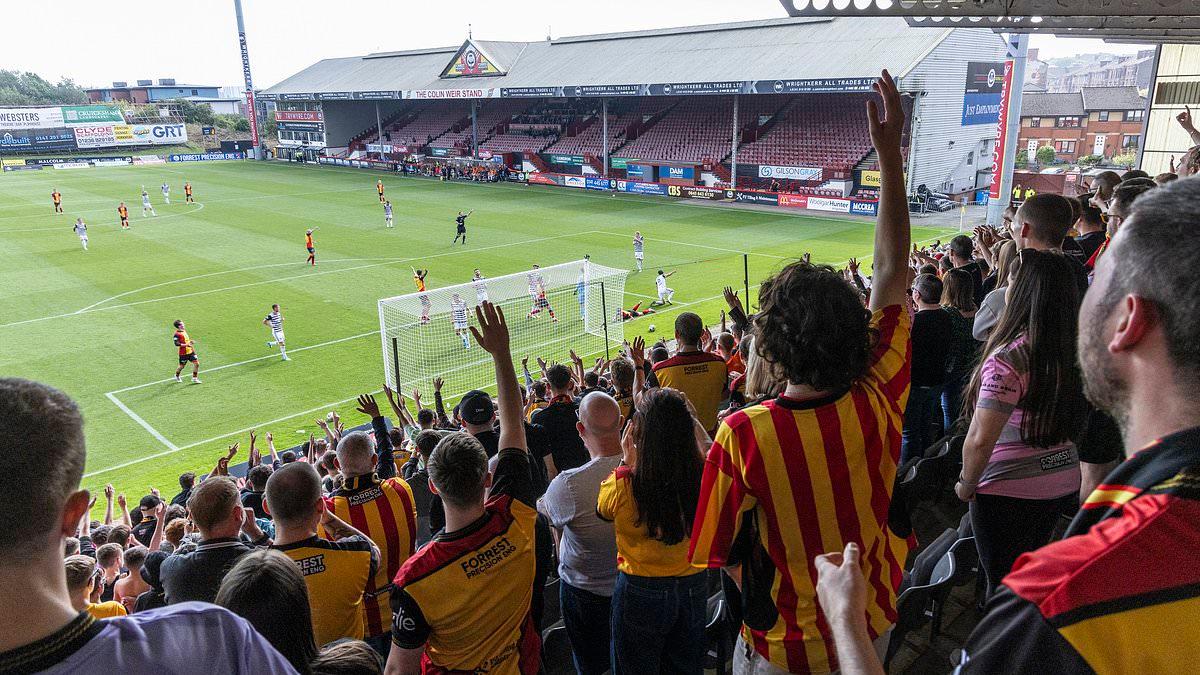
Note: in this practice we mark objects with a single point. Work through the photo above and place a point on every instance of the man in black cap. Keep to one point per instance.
(144, 530)
(478, 416)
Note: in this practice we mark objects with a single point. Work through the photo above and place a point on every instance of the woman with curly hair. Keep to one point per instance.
(659, 603)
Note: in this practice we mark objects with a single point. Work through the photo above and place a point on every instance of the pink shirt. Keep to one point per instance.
(1015, 468)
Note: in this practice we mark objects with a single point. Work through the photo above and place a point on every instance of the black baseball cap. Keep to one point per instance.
(149, 502)
(476, 407)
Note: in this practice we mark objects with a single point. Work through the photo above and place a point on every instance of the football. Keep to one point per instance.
(652, 328)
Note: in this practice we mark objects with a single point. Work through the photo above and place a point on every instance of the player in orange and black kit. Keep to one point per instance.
(379, 188)
(123, 212)
(308, 244)
(187, 193)
(56, 197)
(187, 352)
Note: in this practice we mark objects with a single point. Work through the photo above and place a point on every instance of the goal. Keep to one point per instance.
(420, 341)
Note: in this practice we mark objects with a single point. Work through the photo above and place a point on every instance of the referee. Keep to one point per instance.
(461, 229)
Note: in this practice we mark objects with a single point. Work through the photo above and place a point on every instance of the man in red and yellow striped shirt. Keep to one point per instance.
(813, 469)
(380, 505)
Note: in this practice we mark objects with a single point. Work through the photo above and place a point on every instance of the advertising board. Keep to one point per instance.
(298, 115)
(677, 173)
(790, 172)
(768, 198)
(982, 93)
(833, 204)
(206, 157)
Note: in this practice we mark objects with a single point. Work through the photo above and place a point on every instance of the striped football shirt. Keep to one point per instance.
(458, 311)
(815, 475)
(383, 510)
(276, 321)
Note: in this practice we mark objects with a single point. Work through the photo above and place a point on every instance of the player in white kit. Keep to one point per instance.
(146, 203)
(639, 249)
(166, 192)
(458, 314)
(80, 228)
(480, 285)
(275, 321)
(664, 294)
(387, 213)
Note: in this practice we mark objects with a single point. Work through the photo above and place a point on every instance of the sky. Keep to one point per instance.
(150, 39)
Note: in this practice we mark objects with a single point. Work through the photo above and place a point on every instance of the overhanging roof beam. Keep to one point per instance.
(993, 8)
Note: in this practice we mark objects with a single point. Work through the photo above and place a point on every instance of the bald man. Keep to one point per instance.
(336, 569)
(587, 552)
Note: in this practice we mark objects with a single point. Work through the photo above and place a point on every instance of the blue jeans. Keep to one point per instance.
(952, 398)
(587, 618)
(919, 418)
(658, 624)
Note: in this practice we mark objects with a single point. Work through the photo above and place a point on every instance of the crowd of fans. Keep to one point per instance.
(768, 450)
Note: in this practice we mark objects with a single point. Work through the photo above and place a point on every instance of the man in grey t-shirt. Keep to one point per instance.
(587, 550)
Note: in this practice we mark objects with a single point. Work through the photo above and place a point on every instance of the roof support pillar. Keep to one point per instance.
(474, 130)
(378, 125)
(1149, 104)
(604, 133)
(1018, 50)
(734, 144)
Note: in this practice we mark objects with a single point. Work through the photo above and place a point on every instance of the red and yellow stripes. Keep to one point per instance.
(387, 514)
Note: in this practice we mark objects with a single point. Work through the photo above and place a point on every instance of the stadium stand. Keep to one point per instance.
(491, 114)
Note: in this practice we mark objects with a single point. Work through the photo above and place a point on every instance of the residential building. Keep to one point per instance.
(1177, 85)
(1105, 121)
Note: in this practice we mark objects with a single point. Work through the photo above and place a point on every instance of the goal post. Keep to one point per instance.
(421, 341)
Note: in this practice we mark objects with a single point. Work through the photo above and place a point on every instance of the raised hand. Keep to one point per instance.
(108, 492)
(232, 450)
(575, 358)
(492, 332)
(637, 351)
(160, 510)
(437, 384)
(253, 437)
(525, 363)
(121, 500)
(732, 299)
(270, 439)
(807, 258)
(852, 265)
(368, 406)
(1185, 119)
(886, 129)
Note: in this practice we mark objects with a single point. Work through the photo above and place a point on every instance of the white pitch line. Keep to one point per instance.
(253, 360)
(144, 424)
(144, 221)
(173, 448)
(391, 261)
(211, 201)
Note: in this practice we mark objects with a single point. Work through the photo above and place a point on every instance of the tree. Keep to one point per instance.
(1022, 160)
(17, 88)
(1126, 160)
(1045, 155)
(195, 113)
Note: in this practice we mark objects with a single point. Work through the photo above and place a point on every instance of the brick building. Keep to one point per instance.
(1103, 121)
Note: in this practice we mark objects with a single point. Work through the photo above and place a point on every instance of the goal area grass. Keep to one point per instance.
(97, 323)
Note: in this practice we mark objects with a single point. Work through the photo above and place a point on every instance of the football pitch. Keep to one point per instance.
(97, 324)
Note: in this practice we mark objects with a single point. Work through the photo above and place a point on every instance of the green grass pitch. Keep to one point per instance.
(97, 324)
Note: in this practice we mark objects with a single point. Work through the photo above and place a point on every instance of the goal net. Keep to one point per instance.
(550, 311)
